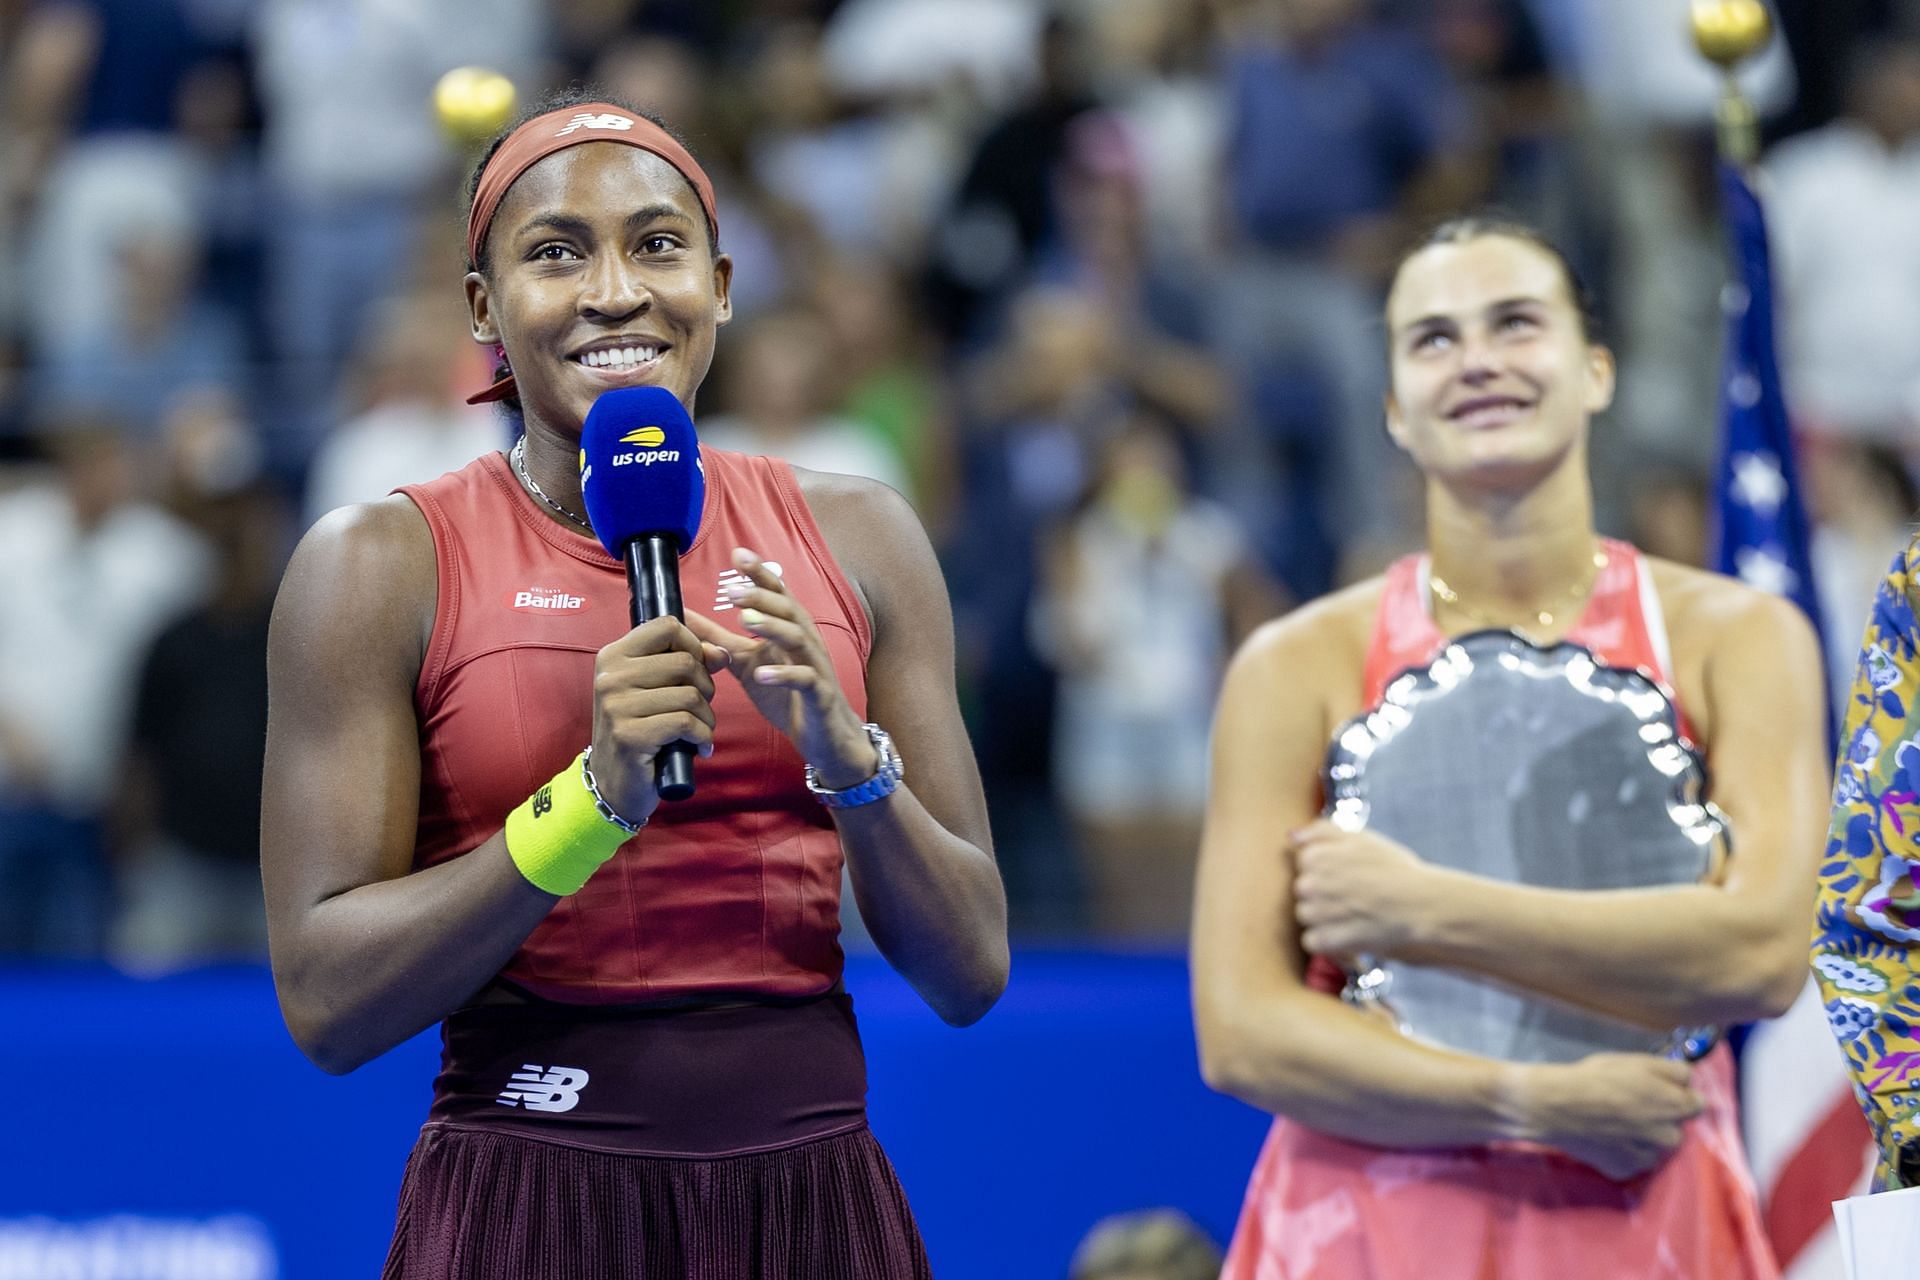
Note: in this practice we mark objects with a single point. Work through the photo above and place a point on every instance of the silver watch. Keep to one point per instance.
(884, 782)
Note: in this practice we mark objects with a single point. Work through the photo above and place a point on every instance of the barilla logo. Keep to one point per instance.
(592, 120)
(542, 600)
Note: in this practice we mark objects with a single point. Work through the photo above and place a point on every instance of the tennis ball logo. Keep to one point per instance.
(647, 450)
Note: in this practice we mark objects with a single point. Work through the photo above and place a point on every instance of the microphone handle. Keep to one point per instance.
(653, 579)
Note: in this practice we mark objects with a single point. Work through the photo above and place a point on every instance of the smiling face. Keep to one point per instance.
(1494, 377)
(598, 275)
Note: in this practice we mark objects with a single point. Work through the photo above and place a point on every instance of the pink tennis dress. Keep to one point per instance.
(1323, 1208)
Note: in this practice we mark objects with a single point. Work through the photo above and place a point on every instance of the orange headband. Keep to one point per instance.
(555, 131)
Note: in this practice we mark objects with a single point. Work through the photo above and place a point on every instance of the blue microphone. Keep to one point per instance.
(644, 487)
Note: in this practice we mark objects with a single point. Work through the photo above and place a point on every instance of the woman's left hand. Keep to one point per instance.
(784, 667)
(1357, 893)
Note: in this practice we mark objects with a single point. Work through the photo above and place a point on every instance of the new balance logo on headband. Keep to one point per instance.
(544, 1088)
(593, 120)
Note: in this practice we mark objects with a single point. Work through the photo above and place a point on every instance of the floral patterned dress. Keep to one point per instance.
(1868, 915)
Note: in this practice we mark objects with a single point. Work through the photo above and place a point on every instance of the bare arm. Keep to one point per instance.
(1264, 1036)
(364, 953)
(1268, 1039)
(367, 952)
(921, 859)
(1718, 952)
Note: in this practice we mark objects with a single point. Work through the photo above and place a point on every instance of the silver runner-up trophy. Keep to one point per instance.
(1538, 766)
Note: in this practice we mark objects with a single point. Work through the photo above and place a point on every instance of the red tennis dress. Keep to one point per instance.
(680, 1091)
(735, 891)
(1323, 1208)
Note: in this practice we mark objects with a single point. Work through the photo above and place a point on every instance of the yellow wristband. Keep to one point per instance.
(557, 837)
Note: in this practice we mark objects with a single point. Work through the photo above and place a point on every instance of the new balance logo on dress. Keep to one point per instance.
(591, 120)
(730, 576)
(544, 1088)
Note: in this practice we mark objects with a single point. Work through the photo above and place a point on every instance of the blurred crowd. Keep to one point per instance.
(1096, 283)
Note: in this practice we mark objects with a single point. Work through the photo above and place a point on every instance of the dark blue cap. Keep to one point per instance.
(640, 468)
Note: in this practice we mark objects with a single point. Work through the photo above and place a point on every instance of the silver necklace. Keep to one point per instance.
(519, 457)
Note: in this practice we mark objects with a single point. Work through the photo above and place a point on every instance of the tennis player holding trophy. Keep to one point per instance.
(1470, 797)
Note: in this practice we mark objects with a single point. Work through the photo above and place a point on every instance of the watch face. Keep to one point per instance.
(886, 776)
(889, 758)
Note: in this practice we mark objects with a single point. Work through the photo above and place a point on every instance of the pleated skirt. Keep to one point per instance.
(720, 1144)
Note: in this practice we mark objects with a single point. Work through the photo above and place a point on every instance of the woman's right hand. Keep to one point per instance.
(1621, 1113)
(651, 687)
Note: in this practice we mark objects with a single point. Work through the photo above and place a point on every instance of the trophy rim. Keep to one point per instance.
(1370, 982)
(1415, 684)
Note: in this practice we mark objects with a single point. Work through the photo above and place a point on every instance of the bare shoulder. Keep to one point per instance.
(361, 584)
(876, 537)
(841, 499)
(388, 538)
(1729, 640)
(1705, 610)
(1324, 640)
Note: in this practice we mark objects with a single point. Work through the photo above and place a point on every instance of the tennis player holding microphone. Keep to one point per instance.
(650, 1065)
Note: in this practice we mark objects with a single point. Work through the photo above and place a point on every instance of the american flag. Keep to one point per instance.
(1808, 1141)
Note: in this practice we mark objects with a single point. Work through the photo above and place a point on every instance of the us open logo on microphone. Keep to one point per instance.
(546, 600)
(647, 451)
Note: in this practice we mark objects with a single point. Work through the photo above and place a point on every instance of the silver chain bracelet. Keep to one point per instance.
(599, 801)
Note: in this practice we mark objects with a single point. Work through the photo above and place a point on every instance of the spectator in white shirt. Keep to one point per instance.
(412, 422)
(776, 398)
(1845, 206)
(90, 574)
